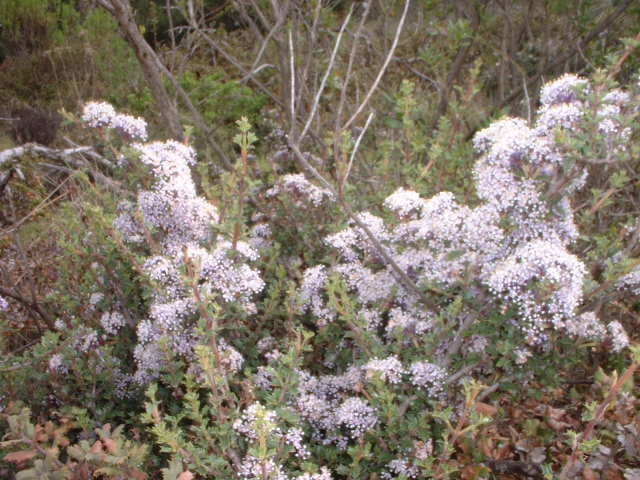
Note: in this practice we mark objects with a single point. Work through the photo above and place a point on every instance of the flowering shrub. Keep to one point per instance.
(358, 353)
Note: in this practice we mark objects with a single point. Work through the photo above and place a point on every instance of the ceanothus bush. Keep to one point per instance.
(186, 262)
(385, 353)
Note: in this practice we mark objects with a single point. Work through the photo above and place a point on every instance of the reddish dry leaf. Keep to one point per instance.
(486, 409)
(138, 475)
(473, 472)
(111, 445)
(589, 474)
(553, 416)
(187, 475)
(97, 447)
(612, 472)
(21, 456)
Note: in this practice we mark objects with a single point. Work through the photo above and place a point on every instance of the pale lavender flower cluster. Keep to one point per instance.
(103, 115)
(4, 305)
(428, 376)
(324, 474)
(301, 189)
(564, 89)
(253, 468)
(328, 404)
(356, 416)
(587, 325)
(398, 467)
(389, 369)
(512, 247)
(619, 338)
(631, 281)
(57, 364)
(178, 223)
(112, 322)
(95, 299)
(295, 438)
(230, 358)
(557, 292)
(256, 422)
(311, 294)
(87, 340)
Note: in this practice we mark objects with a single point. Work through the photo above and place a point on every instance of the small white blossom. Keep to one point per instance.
(389, 369)
(619, 337)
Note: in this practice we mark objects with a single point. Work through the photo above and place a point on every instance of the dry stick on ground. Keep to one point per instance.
(586, 434)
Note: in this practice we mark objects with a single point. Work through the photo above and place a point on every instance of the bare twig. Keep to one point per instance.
(355, 150)
(623, 58)
(292, 78)
(327, 72)
(347, 77)
(457, 341)
(383, 69)
(72, 156)
(147, 57)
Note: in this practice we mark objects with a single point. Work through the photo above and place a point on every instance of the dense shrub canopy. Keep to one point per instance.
(336, 272)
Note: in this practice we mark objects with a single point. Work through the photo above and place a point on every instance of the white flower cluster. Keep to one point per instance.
(177, 223)
(257, 422)
(510, 248)
(4, 305)
(356, 416)
(301, 189)
(429, 376)
(389, 369)
(112, 322)
(56, 364)
(103, 115)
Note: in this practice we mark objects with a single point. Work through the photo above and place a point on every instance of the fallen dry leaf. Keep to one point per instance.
(97, 447)
(21, 456)
(486, 409)
(589, 474)
(111, 445)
